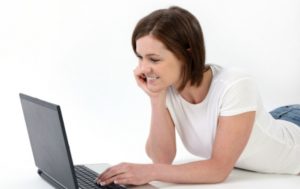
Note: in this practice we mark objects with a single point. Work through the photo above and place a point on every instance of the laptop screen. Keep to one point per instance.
(48, 140)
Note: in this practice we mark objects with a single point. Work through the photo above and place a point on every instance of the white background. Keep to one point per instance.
(78, 54)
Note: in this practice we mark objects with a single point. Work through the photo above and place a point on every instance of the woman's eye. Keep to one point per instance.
(154, 60)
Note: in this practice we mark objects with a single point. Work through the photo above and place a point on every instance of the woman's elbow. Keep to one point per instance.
(221, 175)
(220, 179)
(217, 172)
(163, 158)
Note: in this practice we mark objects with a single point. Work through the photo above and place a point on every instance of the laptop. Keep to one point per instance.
(51, 150)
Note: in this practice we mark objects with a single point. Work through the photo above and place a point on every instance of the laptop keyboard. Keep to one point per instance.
(86, 179)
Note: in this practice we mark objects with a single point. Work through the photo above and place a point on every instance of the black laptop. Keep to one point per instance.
(51, 150)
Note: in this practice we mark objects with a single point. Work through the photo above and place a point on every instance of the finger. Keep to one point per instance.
(142, 82)
(139, 73)
(111, 172)
(104, 176)
(108, 175)
(107, 181)
(114, 179)
(103, 173)
(139, 76)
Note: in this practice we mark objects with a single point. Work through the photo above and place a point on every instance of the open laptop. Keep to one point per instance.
(51, 150)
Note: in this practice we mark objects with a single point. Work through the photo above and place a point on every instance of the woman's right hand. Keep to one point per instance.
(141, 80)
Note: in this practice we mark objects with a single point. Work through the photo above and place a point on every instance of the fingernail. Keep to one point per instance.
(115, 181)
(102, 183)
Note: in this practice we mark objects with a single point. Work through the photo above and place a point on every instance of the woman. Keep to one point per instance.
(217, 112)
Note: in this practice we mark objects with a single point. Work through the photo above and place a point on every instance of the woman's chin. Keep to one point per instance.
(154, 89)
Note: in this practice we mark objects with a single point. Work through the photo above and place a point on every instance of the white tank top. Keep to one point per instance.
(273, 146)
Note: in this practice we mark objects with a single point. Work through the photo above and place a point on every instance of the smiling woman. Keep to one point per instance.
(157, 65)
(217, 112)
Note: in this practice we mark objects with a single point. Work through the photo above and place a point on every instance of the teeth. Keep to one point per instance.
(152, 78)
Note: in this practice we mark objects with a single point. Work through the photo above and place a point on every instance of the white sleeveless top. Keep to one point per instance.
(273, 146)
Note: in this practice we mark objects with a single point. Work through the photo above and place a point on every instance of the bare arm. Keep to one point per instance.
(232, 135)
(231, 138)
(161, 143)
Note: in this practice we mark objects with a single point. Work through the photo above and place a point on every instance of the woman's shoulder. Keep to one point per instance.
(228, 75)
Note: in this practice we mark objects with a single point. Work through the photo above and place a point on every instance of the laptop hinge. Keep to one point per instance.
(50, 180)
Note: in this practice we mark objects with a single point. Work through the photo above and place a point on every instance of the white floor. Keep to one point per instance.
(13, 177)
(238, 179)
(245, 180)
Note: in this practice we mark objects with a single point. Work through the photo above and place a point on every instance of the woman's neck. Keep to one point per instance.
(194, 94)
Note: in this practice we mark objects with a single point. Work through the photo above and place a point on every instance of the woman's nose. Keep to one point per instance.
(145, 67)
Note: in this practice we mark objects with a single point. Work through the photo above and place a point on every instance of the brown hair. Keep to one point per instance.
(181, 33)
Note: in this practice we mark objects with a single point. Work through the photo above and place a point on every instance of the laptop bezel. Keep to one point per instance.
(55, 107)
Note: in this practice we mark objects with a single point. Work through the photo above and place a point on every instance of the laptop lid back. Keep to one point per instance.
(49, 141)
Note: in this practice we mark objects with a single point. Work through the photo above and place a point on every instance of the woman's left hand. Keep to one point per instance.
(127, 174)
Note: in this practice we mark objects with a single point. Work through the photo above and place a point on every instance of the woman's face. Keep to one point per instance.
(160, 67)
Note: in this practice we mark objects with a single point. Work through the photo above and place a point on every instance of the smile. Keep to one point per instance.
(151, 78)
